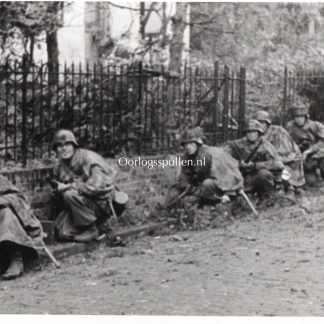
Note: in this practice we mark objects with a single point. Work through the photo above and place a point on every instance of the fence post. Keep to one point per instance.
(214, 113)
(284, 107)
(139, 102)
(6, 76)
(242, 102)
(23, 110)
(225, 104)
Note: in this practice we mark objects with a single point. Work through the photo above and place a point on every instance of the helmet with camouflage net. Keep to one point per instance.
(263, 115)
(299, 111)
(64, 136)
(253, 125)
(193, 135)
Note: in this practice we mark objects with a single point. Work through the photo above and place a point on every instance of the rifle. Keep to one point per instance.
(51, 256)
(181, 195)
(304, 145)
(250, 156)
(53, 183)
(244, 195)
(305, 142)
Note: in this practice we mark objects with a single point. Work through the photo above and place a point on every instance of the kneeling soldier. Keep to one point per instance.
(259, 162)
(85, 184)
(309, 136)
(288, 151)
(21, 234)
(208, 171)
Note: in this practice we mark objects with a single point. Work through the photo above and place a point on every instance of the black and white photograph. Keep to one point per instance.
(162, 159)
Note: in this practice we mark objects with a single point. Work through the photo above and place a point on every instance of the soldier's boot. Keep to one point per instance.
(321, 170)
(290, 192)
(16, 267)
(279, 189)
(104, 227)
(89, 234)
(264, 186)
(311, 178)
(299, 191)
(266, 199)
(210, 201)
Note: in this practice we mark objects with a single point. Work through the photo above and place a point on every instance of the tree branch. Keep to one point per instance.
(202, 22)
(207, 22)
(219, 31)
(148, 14)
(125, 7)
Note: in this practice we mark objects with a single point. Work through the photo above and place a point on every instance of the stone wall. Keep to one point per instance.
(144, 185)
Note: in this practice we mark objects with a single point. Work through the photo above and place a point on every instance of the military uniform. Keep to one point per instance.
(85, 203)
(287, 150)
(263, 170)
(310, 138)
(211, 172)
(21, 233)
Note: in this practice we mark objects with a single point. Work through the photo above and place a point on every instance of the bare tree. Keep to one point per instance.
(177, 42)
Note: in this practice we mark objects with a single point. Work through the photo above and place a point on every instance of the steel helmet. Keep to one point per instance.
(193, 135)
(263, 115)
(253, 125)
(64, 136)
(299, 111)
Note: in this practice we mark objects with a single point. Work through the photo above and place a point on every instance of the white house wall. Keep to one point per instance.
(186, 38)
(83, 22)
(125, 24)
(71, 40)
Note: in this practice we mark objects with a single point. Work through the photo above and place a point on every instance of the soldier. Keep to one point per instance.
(209, 171)
(309, 136)
(85, 184)
(260, 164)
(288, 151)
(21, 233)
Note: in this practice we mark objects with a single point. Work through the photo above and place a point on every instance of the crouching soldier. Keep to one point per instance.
(21, 233)
(287, 150)
(309, 136)
(85, 186)
(209, 172)
(260, 164)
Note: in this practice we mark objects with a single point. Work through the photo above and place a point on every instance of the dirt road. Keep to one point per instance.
(270, 266)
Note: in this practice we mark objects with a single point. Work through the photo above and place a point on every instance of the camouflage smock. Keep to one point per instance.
(217, 164)
(265, 157)
(289, 153)
(311, 136)
(89, 173)
(18, 223)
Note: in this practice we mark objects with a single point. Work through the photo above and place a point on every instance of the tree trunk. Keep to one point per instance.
(52, 44)
(177, 42)
(52, 56)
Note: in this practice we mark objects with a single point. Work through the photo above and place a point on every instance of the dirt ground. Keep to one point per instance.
(273, 265)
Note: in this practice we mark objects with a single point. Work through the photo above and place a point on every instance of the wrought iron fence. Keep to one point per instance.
(304, 87)
(116, 109)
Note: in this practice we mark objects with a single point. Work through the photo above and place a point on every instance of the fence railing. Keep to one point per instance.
(304, 87)
(116, 109)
